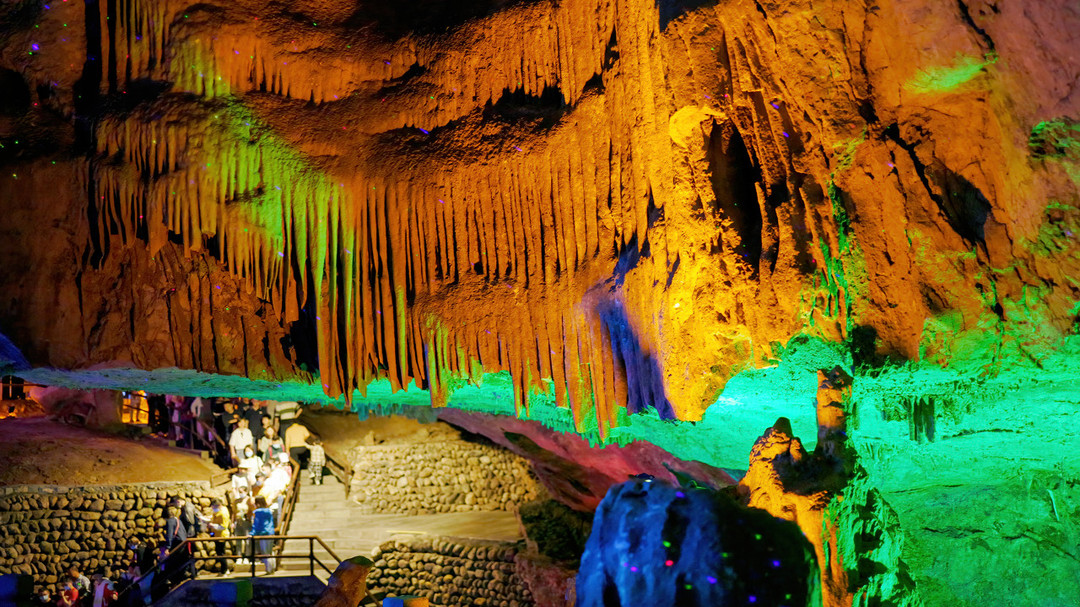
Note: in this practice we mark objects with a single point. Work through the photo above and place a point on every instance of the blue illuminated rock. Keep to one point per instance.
(664, 546)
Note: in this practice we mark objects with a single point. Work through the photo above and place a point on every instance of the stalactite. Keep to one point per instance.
(478, 257)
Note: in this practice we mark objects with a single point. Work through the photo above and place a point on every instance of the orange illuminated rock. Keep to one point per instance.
(622, 201)
(347, 587)
(789, 483)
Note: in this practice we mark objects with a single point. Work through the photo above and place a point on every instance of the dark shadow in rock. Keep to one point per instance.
(560, 532)
(734, 175)
(396, 19)
(964, 205)
(516, 105)
(14, 93)
(136, 92)
(558, 474)
(670, 10)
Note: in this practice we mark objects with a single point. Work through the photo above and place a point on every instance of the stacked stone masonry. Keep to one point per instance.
(438, 477)
(451, 573)
(45, 529)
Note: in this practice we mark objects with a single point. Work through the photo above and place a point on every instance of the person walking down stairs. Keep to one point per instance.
(316, 459)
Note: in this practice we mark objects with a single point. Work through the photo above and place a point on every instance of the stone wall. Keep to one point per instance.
(440, 476)
(44, 529)
(450, 572)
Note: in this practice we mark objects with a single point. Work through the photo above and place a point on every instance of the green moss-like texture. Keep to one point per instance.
(977, 493)
(870, 543)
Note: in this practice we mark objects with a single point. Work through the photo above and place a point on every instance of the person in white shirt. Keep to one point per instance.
(104, 592)
(249, 463)
(241, 437)
(287, 412)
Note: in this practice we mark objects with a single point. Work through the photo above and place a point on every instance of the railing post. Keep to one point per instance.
(311, 555)
(251, 549)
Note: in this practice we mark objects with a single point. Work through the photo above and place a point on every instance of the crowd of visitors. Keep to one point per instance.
(261, 442)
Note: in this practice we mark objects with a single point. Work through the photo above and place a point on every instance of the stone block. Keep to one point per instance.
(405, 601)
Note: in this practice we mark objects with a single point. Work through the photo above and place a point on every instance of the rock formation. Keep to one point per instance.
(656, 544)
(347, 586)
(645, 196)
(44, 530)
(624, 204)
(825, 494)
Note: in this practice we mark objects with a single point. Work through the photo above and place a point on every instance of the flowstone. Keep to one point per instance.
(656, 544)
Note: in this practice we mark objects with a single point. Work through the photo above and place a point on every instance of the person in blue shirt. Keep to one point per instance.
(262, 523)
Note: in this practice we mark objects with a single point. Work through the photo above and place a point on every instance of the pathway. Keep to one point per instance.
(324, 511)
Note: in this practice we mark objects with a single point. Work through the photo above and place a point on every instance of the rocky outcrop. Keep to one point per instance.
(347, 586)
(653, 543)
(46, 529)
(550, 583)
(450, 572)
(439, 476)
(854, 532)
(571, 468)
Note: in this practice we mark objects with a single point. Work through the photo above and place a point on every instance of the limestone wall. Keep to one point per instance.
(440, 476)
(451, 573)
(44, 529)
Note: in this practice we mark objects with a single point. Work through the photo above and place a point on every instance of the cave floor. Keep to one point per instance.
(41, 451)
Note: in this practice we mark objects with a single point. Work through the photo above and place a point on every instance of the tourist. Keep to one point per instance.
(104, 592)
(159, 414)
(253, 414)
(231, 416)
(249, 464)
(220, 427)
(175, 554)
(139, 554)
(43, 598)
(268, 423)
(69, 595)
(296, 436)
(130, 591)
(316, 459)
(147, 559)
(177, 417)
(188, 516)
(242, 524)
(220, 525)
(241, 437)
(257, 484)
(287, 413)
(130, 574)
(80, 582)
(276, 482)
(262, 524)
(271, 447)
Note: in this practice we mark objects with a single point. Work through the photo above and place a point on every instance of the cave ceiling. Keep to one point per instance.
(604, 206)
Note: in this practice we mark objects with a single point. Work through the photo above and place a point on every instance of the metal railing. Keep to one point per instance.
(278, 553)
(169, 566)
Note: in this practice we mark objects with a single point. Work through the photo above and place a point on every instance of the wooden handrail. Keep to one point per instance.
(213, 433)
(291, 495)
(340, 471)
(228, 474)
